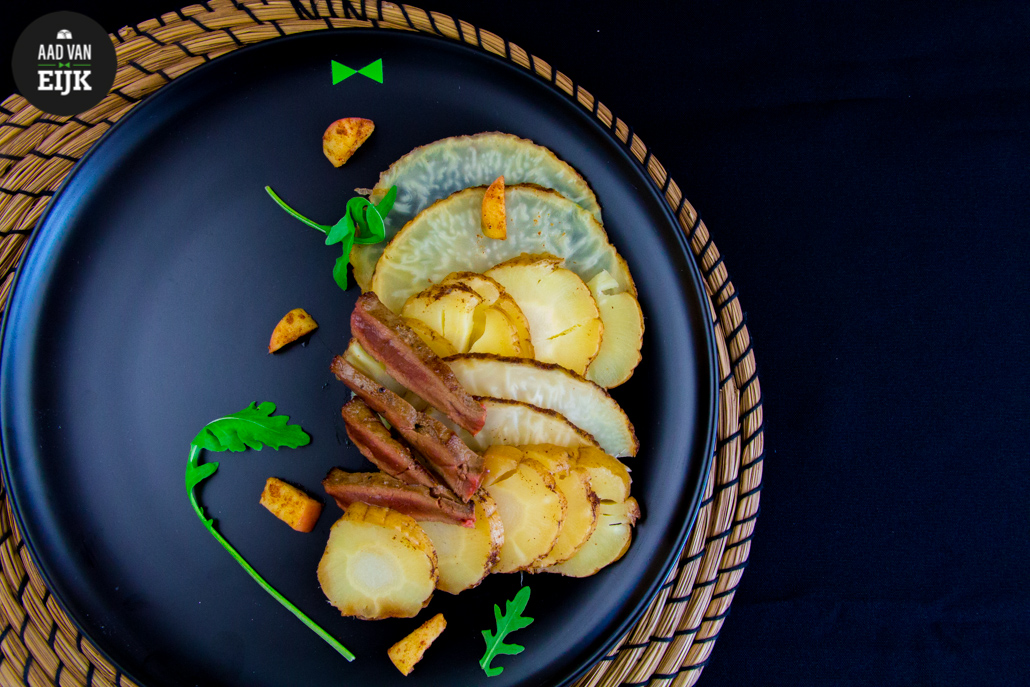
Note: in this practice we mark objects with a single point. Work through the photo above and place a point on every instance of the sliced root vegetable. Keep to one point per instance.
(552, 387)
(494, 225)
(343, 138)
(290, 504)
(291, 327)
(377, 564)
(436, 170)
(564, 322)
(493, 338)
(609, 477)
(437, 343)
(448, 310)
(409, 651)
(495, 333)
(583, 505)
(623, 333)
(608, 543)
(514, 423)
(446, 238)
(465, 555)
(531, 507)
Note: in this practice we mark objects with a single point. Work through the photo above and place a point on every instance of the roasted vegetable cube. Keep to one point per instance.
(290, 504)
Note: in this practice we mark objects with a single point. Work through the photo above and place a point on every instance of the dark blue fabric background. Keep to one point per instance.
(865, 170)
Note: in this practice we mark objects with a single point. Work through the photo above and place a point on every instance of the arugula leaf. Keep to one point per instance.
(253, 427)
(362, 223)
(509, 622)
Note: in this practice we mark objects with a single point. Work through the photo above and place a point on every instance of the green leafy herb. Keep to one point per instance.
(361, 224)
(511, 621)
(253, 427)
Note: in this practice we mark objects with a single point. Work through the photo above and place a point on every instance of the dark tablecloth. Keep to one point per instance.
(865, 170)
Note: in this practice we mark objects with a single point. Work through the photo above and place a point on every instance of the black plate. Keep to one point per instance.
(143, 309)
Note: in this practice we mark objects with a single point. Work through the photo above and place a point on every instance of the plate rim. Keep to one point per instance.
(695, 278)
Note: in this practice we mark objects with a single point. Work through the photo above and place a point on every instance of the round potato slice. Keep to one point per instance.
(446, 237)
(583, 504)
(514, 423)
(564, 322)
(552, 387)
(608, 543)
(436, 170)
(623, 333)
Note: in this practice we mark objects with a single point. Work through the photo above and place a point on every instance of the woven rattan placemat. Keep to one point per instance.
(671, 644)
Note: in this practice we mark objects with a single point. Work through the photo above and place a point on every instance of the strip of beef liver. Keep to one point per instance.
(458, 466)
(386, 451)
(379, 489)
(411, 362)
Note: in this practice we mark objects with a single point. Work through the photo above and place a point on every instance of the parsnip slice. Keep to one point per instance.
(466, 554)
(378, 563)
(623, 332)
(564, 322)
(553, 387)
(608, 543)
(532, 510)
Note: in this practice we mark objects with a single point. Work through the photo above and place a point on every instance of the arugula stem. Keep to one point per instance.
(341, 649)
(195, 473)
(321, 227)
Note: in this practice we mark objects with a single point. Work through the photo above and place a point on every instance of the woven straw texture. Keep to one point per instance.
(673, 641)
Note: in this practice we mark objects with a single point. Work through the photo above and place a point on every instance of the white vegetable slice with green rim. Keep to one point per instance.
(447, 237)
(435, 171)
(553, 387)
(514, 423)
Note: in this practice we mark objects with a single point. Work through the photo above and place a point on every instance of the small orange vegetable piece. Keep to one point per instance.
(290, 504)
(344, 137)
(291, 327)
(494, 225)
(409, 651)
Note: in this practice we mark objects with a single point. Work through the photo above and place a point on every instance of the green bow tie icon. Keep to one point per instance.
(373, 71)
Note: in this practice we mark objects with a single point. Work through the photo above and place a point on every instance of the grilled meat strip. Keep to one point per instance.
(411, 362)
(386, 451)
(379, 489)
(458, 466)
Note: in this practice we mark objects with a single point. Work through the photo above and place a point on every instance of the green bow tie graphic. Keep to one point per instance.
(373, 71)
